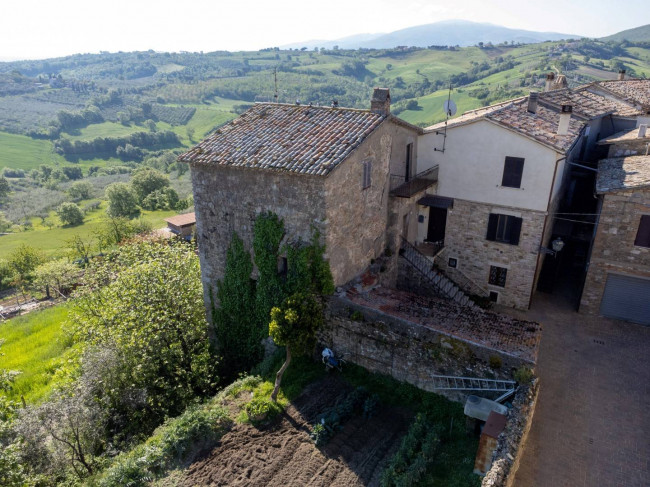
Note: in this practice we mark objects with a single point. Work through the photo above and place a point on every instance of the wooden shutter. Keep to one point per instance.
(515, 229)
(492, 227)
(513, 169)
(643, 234)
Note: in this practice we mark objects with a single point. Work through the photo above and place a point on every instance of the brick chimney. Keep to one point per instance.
(565, 118)
(532, 101)
(380, 101)
(621, 74)
(550, 78)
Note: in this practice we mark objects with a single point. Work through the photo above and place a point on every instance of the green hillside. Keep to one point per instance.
(638, 34)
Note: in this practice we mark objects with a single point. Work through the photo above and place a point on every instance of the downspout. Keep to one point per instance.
(546, 218)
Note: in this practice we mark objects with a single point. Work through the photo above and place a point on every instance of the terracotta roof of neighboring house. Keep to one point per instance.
(182, 220)
(513, 114)
(625, 136)
(622, 173)
(636, 90)
(296, 138)
(588, 104)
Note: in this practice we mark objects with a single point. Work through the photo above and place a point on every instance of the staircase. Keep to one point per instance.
(444, 286)
(451, 383)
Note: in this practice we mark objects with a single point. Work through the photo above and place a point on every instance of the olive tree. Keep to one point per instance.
(121, 200)
(70, 214)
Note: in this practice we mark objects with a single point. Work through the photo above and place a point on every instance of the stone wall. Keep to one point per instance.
(614, 250)
(406, 351)
(228, 199)
(465, 240)
(357, 218)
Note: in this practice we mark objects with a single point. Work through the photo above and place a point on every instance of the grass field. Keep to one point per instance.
(105, 129)
(53, 242)
(35, 346)
(22, 152)
(432, 110)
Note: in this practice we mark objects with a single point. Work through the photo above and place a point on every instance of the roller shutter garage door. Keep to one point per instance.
(626, 298)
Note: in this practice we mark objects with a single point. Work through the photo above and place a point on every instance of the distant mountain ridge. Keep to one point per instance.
(638, 34)
(446, 33)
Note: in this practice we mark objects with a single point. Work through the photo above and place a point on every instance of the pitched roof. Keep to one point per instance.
(296, 138)
(514, 115)
(589, 105)
(635, 90)
(182, 220)
(625, 136)
(622, 173)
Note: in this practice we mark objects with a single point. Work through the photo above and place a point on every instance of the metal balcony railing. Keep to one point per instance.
(405, 189)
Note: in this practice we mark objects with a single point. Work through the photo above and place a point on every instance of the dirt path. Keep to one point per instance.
(284, 455)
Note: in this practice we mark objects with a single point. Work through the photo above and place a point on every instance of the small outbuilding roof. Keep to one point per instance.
(296, 138)
(182, 220)
(635, 90)
(621, 173)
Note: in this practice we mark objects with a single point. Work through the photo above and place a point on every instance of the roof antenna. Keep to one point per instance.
(275, 78)
(450, 110)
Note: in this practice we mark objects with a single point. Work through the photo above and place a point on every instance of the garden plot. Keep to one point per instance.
(283, 454)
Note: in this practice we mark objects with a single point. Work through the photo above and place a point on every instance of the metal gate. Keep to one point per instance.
(626, 298)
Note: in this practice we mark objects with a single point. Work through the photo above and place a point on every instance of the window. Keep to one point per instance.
(643, 234)
(367, 168)
(498, 276)
(409, 155)
(453, 262)
(504, 228)
(494, 296)
(282, 266)
(512, 171)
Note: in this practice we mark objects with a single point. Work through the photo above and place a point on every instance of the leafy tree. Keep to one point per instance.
(161, 199)
(80, 190)
(294, 326)
(146, 301)
(238, 338)
(4, 187)
(122, 201)
(70, 214)
(57, 275)
(5, 225)
(24, 260)
(147, 180)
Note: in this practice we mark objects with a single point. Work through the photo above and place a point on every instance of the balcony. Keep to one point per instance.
(401, 188)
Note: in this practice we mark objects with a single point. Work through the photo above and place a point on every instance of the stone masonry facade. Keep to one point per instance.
(465, 240)
(352, 220)
(614, 250)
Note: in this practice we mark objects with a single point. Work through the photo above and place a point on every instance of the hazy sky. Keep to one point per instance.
(48, 28)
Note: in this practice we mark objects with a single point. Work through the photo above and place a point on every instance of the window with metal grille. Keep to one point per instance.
(498, 276)
(513, 169)
(643, 233)
(504, 228)
(367, 168)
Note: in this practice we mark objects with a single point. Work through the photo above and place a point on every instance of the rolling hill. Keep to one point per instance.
(638, 34)
(446, 33)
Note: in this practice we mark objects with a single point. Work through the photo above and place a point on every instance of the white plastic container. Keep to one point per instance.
(479, 407)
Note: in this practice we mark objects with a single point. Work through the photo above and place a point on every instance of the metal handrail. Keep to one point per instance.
(468, 284)
(397, 180)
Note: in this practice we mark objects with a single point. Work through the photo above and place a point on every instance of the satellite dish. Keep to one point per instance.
(450, 108)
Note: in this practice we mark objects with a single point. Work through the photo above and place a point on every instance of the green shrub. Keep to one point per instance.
(524, 375)
(261, 408)
(495, 362)
(357, 316)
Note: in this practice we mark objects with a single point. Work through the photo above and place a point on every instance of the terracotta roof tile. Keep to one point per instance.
(182, 220)
(513, 114)
(622, 173)
(636, 90)
(295, 138)
(589, 105)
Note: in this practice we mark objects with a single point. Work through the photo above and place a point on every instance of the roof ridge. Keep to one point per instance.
(303, 105)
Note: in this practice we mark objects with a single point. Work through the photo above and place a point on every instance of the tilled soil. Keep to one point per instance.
(283, 454)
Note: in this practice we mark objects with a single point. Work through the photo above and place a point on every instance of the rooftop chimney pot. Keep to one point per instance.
(621, 74)
(380, 101)
(550, 77)
(642, 130)
(532, 101)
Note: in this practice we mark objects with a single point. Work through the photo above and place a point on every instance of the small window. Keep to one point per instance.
(367, 168)
(494, 296)
(512, 172)
(282, 266)
(643, 234)
(498, 276)
(504, 228)
(453, 262)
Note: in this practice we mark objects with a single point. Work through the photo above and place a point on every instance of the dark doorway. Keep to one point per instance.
(409, 153)
(437, 224)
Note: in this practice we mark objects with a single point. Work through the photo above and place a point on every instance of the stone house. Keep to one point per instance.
(326, 167)
(618, 278)
(503, 167)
